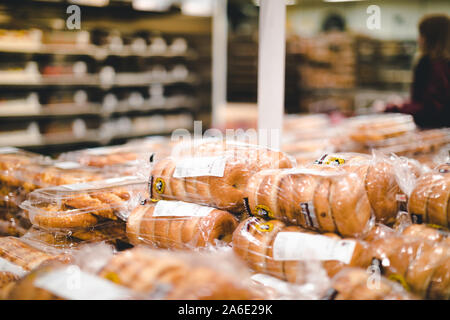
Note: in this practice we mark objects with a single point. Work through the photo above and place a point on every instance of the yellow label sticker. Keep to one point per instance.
(264, 227)
(160, 185)
(112, 276)
(335, 161)
(263, 211)
(400, 279)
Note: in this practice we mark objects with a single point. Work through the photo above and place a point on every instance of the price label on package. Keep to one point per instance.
(200, 166)
(302, 246)
(180, 209)
(7, 266)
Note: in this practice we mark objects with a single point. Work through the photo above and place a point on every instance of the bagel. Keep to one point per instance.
(421, 269)
(174, 276)
(352, 284)
(253, 242)
(439, 287)
(429, 200)
(179, 231)
(225, 192)
(349, 205)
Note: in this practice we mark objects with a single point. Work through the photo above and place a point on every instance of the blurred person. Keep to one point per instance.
(430, 92)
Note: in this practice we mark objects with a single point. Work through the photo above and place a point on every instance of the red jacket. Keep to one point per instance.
(430, 94)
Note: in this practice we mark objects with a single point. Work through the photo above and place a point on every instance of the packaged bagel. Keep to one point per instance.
(282, 251)
(358, 284)
(74, 279)
(180, 275)
(23, 177)
(13, 224)
(332, 200)
(13, 160)
(129, 158)
(19, 257)
(419, 265)
(429, 201)
(179, 225)
(414, 143)
(369, 128)
(384, 178)
(75, 207)
(212, 173)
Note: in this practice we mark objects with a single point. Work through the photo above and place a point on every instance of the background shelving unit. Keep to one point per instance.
(125, 74)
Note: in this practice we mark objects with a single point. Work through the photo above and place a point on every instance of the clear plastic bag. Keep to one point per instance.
(323, 199)
(358, 284)
(385, 178)
(179, 225)
(282, 251)
(178, 275)
(78, 206)
(369, 128)
(429, 201)
(20, 257)
(129, 159)
(73, 279)
(212, 173)
(420, 265)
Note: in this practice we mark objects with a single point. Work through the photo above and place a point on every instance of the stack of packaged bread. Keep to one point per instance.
(227, 219)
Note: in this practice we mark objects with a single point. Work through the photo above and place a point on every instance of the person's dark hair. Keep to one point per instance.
(435, 31)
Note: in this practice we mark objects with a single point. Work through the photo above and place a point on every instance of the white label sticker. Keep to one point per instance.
(78, 186)
(271, 282)
(8, 266)
(98, 151)
(121, 180)
(180, 209)
(67, 165)
(5, 150)
(200, 166)
(73, 284)
(304, 246)
(313, 172)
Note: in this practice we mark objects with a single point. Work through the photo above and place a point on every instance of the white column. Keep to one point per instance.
(219, 59)
(272, 25)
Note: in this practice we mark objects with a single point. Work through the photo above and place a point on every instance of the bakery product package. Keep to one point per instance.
(366, 129)
(212, 172)
(358, 284)
(323, 200)
(72, 278)
(284, 252)
(98, 272)
(131, 158)
(387, 179)
(179, 225)
(87, 212)
(429, 201)
(182, 275)
(421, 266)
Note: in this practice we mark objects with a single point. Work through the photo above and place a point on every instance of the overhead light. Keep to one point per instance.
(151, 5)
(343, 0)
(287, 2)
(92, 3)
(201, 8)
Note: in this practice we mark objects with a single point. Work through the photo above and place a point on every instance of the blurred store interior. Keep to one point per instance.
(137, 68)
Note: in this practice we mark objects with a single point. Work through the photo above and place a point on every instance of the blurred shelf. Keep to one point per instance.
(93, 80)
(97, 52)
